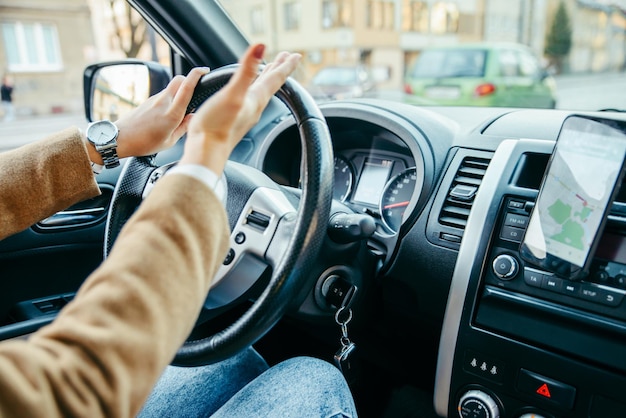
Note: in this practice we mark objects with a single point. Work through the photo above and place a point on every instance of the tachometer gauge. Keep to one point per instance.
(343, 179)
(396, 197)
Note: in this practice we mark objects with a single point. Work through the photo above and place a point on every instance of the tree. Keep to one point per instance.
(130, 28)
(559, 39)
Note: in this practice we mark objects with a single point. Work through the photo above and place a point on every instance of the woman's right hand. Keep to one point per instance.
(220, 122)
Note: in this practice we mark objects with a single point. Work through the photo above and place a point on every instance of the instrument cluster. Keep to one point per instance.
(375, 172)
(375, 183)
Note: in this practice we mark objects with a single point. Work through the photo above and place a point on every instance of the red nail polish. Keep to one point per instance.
(258, 52)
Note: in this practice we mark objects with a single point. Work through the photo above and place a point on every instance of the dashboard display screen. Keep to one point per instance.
(372, 180)
(578, 187)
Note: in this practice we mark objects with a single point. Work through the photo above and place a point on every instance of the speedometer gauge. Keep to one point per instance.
(396, 197)
(343, 179)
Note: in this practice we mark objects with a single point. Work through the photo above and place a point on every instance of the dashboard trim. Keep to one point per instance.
(470, 246)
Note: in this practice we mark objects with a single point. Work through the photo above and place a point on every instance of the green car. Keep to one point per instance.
(480, 74)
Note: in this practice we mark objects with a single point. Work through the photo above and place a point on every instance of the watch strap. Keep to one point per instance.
(109, 157)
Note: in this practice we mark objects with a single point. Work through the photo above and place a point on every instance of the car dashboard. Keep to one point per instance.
(451, 190)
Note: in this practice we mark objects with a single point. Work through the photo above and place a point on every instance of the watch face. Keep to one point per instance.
(102, 132)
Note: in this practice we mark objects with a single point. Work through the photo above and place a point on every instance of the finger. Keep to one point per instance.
(248, 70)
(274, 78)
(174, 85)
(281, 57)
(182, 128)
(186, 86)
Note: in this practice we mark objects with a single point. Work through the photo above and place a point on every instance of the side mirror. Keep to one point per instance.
(112, 89)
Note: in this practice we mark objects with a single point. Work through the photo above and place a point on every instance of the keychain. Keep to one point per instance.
(341, 357)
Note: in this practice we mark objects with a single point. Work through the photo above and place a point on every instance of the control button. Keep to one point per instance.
(620, 280)
(516, 204)
(601, 276)
(533, 278)
(450, 237)
(532, 415)
(511, 233)
(590, 293)
(484, 366)
(571, 289)
(505, 266)
(478, 404)
(611, 298)
(598, 295)
(230, 256)
(240, 238)
(519, 221)
(542, 387)
(552, 283)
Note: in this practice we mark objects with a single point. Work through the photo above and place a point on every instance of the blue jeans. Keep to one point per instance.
(244, 386)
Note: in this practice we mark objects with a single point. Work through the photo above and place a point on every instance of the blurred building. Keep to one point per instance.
(45, 46)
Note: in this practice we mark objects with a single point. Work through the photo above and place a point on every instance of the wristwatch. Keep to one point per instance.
(103, 135)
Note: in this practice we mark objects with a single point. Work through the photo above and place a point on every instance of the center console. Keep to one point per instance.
(521, 341)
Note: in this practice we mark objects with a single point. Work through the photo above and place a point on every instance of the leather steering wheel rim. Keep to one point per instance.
(288, 278)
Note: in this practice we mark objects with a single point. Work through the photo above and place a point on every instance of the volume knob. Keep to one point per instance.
(477, 404)
(505, 266)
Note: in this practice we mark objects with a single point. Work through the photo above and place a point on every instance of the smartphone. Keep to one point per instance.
(583, 176)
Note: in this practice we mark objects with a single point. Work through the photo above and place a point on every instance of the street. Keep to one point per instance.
(591, 92)
(577, 92)
(28, 129)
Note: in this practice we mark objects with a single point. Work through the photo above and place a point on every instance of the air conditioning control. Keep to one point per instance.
(478, 404)
(505, 266)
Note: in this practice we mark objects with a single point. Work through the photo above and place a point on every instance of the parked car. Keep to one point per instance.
(342, 82)
(481, 74)
(419, 213)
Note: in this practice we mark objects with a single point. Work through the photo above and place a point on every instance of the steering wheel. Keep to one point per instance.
(268, 228)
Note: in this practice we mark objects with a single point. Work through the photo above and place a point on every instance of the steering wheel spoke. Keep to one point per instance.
(260, 226)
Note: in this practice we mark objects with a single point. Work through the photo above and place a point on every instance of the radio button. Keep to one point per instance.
(519, 221)
(516, 204)
(620, 280)
(571, 289)
(611, 298)
(505, 266)
(552, 283)
(511, 233)
(590, 293)
(533, 278)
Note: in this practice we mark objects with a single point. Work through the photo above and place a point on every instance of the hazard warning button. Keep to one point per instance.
(545, 388)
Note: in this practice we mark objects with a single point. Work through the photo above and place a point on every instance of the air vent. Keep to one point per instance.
(460, 197)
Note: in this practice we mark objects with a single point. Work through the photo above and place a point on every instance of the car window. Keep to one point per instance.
(508, 63)
(528, 65)
(450, 63)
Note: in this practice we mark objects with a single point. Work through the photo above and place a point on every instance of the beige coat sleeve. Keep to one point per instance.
(106, 349)
(42, 178)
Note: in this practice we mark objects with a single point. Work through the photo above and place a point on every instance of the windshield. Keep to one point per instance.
(563, 54)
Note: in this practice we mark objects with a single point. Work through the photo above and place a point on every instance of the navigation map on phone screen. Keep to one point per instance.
(579, 185)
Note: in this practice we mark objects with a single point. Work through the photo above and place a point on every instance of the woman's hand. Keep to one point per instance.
(160, 121)
(219, 123)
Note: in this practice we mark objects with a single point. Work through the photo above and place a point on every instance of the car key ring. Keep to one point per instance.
(341, 356)
(345, 340)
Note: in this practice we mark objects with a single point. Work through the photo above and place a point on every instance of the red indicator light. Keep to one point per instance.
(544, 391)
